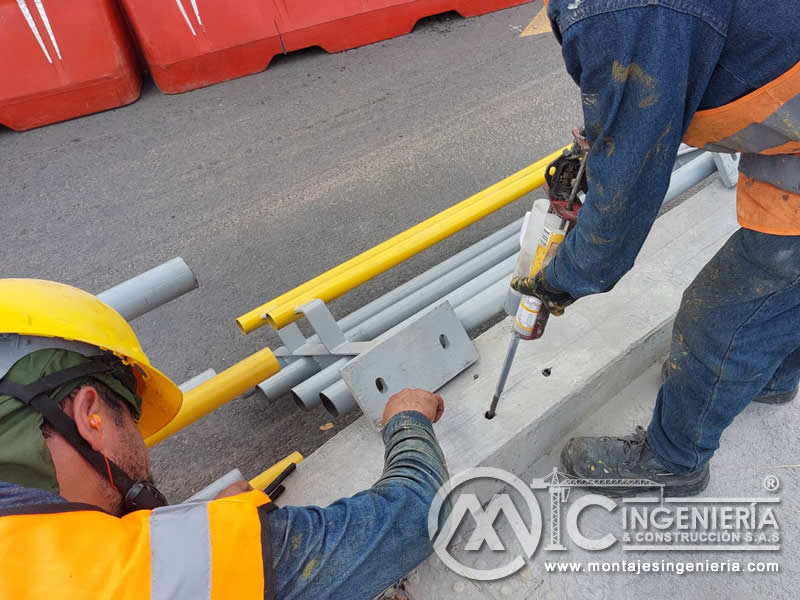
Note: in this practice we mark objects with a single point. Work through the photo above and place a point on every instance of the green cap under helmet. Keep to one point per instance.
(24, 457)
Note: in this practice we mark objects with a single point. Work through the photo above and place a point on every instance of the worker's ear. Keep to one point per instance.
(88, 410)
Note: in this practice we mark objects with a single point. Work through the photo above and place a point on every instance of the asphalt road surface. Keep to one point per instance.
(264, 182)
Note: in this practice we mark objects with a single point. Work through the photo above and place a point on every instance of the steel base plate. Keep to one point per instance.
(426, 354)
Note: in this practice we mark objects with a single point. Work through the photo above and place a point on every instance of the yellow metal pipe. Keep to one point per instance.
(256, 318)
(259, 482)
(279, 312)
(211, 394)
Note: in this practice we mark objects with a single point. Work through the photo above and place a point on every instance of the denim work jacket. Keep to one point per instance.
(644, 67)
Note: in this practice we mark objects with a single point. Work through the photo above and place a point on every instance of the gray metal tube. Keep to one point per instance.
(301, 369)
(215, 487)
(197, 380)
(461, 280)
(690, 174)
(151, 289)
(338, 400)
(482, 307)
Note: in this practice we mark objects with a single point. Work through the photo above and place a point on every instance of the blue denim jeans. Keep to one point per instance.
(736, 335)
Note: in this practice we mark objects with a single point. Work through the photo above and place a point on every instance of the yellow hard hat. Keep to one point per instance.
(40, 308)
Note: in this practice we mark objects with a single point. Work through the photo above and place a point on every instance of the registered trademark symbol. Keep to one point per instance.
(771, 483)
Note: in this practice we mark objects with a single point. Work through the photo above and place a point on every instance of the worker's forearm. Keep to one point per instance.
(357, 546)
(413, 458)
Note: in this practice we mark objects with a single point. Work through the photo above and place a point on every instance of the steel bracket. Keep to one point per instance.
(333, 341)
(426, 354)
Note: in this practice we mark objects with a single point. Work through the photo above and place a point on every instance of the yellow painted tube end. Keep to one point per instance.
(251, 321)
(259, 482)
(219, 390)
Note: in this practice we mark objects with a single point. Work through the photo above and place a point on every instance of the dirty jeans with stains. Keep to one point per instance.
(358, 546)
(736, 335)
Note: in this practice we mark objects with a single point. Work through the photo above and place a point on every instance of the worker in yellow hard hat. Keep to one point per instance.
(81, 517)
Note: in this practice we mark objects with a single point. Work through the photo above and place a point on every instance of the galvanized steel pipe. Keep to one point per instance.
(151, 289)
(301, 369)
(348, 275)
(690, 174)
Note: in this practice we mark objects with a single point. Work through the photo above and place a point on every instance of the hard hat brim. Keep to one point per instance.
(161, 400)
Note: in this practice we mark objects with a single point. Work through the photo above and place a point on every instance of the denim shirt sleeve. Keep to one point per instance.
(358, 546)
(642, 67)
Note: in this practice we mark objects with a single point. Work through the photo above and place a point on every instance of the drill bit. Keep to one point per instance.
(501, 383)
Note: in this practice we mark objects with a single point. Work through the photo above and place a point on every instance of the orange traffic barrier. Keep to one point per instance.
(61, 60)
(190, 44)
(345, 24)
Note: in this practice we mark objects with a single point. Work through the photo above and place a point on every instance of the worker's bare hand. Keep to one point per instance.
(240, 487)
(429, 404)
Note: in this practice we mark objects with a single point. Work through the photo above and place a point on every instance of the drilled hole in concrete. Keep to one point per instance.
(547, 372)
(444, 341)
(380, 384)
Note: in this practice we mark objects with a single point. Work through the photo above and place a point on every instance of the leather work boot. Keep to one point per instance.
(762, 398)
(608, 458)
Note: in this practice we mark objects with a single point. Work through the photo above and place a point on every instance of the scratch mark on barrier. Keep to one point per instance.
(23, 7)
(43, 14)
(197, 13)
(186, 17)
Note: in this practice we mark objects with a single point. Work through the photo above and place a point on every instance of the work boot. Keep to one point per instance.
(603, 459)
(762, 398)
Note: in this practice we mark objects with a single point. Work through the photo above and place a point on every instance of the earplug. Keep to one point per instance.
(95, 422)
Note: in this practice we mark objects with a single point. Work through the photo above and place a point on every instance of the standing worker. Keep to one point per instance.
(722, 75)
(80, 517)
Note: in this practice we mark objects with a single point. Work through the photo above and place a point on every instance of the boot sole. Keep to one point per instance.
(670, 491)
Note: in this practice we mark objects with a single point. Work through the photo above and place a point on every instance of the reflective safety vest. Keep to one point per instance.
(216, 550)
(764, 126)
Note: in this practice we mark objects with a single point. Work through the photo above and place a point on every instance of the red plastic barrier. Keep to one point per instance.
(344, 24)
(194, 43)
(61, 60)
